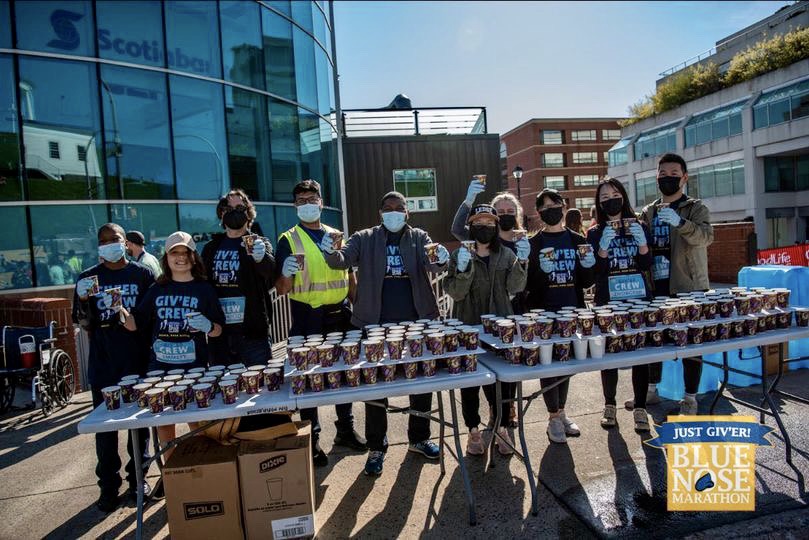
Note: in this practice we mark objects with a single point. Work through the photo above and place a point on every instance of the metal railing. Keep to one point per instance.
(690, 61)
(421, 121)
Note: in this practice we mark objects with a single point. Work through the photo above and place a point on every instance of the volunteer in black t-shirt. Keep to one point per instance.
(114, 350)
(554, 283)
(623, 255)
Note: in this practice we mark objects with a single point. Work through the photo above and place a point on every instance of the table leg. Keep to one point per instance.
(781, 427)
(461, 463)
(139, 480)
(441, 432)
(524, 445)
(762, 418)
(498, 405)
(724, 382)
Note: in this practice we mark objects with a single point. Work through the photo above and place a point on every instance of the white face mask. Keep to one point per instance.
(394, 221)
(112, 252)
(309, 213)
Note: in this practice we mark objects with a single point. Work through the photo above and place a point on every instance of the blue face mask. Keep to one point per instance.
(394, 221)
(309, 213)
(112, 252)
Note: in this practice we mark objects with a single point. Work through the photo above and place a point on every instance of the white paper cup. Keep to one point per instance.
(596, 344)
(580, 349)
(546, 353)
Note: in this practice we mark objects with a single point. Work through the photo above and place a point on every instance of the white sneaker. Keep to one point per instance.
(652, 398)
(609, 420)
(503, 441)
(641, 420)
(571, 429)
(556, 430)
(688, 407)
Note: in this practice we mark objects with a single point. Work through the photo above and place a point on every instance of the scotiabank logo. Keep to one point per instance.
(69, 39)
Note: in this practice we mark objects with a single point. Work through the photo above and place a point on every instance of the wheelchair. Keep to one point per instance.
(31, 354)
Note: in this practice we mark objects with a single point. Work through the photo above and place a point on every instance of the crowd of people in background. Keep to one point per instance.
(188, 309)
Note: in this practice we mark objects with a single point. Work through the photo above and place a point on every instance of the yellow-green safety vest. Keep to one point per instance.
(317, 284)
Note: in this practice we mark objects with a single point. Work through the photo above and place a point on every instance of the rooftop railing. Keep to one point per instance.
(420, 121)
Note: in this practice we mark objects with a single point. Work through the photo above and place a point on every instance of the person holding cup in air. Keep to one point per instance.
(557, 277)
(623, 256)
(394, 286)
(482, 277)
(318, 297)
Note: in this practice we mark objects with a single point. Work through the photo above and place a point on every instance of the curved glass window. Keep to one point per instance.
(61, 130)
(305, 72)
(618, 154)
(131, 31)
(200, 221)
(11, 184)
(155, 221)
(645, 190)
(249, 156)
(716, 124)
(324, 94)
(192, 29)
(279, 56)
(302, 14)
(656, 142)
(136, 123)
(5, 20)
(58, 27)
(281, 5)
(782, 105)
(286, 139)
(241, 43)
(200, 146)
(15, 253)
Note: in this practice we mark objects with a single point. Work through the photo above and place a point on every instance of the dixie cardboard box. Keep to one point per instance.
(202, 490)
(277, 485)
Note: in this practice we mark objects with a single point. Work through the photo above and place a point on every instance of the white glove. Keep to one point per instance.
(443, 255)
(327, 244)
(636, 230)
(589, 260)
(475, 187)
(259, 250)
(200, 323)
(546, 265)
(523, 249)
(106, 301)
(667, 215)
(464, 258)
(606, 238)
(290, 267)
(83, 287)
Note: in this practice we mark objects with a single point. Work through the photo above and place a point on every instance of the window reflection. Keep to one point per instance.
(5, 20)
(62, 27)
(191, 31)
(63, 147)
(10, 180)
(241, 43)
(131, 31)
(321, 84)
(249, 143)
(279, 58)
(302, 14)
(199, 220)
(285, 141)
(200, 149)
(305, 73)
(65, 241)
(155, 221)
(265, 220)
(136, 125)
(15, 254)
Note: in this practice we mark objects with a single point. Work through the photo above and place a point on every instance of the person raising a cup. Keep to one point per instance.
(482, 277)
(622, 245)
(557, 277)
(394, 266)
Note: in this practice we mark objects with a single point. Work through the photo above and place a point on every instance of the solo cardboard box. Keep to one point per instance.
(202, 490)
(277, 484)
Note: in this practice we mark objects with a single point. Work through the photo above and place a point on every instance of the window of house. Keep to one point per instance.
(580, 158)
(553, 160)
(555, 182)
(551, 136)
(582, 135)
(610, 134)
(418, 185)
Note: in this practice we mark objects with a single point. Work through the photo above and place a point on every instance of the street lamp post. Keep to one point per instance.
(517, 172)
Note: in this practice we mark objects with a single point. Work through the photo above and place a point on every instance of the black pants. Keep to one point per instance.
(692, 373)
(345, 420)
(556, 397)
(470, 403)
(376, 422)
(109, 462)
(640, 385)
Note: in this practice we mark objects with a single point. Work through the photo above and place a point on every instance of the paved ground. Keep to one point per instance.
(603, 484)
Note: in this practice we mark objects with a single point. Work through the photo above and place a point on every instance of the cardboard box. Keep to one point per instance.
(202, 490)
(277, 485)
(771, 355)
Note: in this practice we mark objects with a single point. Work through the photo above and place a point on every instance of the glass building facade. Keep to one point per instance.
(145, 112)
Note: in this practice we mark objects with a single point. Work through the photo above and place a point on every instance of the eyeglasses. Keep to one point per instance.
(308, 200)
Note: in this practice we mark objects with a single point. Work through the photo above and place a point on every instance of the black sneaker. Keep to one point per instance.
(319, 457)
(133, 492)
(351, 439)
(107, 502)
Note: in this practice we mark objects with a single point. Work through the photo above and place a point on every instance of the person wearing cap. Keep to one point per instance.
(393, 286)
(180, 312)
(318, 299)
(482, 282)
(136, 250)
(114, 350)
(241, 280)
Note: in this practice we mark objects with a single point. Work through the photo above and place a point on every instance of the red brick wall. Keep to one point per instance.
(729, 251)
(39, 312)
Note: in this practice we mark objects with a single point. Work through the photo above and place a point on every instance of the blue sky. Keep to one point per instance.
(524, 59)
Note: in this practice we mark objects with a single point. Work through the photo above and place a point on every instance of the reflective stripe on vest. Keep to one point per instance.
(317, 284)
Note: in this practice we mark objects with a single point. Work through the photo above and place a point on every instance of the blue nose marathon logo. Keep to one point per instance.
(62, 23)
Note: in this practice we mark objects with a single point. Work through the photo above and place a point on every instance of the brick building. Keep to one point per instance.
(567, 154)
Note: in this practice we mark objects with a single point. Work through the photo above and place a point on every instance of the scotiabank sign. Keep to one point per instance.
(797, 255)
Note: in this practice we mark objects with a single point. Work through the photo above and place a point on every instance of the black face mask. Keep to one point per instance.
(507, 222)
(482, 233)
(669, 185)
(612, 207)
(235, 219)
(551, 216)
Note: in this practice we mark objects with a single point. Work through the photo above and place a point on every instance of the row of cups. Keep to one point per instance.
(179, 387)
(354, 375)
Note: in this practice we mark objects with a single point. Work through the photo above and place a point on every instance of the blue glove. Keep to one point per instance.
(667, 215)
(523, 249)
(443, 255)
(327, 244)
(546, 265)
(464, 258)
(636, 230)
(259, 250)
(83, 287)
(290, 267)
(589, 260)
(606, 238)
(475, 187)
(200, 323)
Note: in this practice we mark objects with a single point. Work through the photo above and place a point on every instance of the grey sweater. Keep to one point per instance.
(366, 249)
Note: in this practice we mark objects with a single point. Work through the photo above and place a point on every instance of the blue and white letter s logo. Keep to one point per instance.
(62, 23)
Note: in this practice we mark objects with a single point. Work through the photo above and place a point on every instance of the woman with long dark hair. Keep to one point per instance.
(623, 255)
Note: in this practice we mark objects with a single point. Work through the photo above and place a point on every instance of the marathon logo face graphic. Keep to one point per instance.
(622, 254)
(62, 23)
(203, 509)
(272, 463)
(395, 264)
(564, 269)
(661, 233)
(225, 267)
(129, 297)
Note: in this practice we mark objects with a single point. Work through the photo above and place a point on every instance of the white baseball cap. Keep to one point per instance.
(180, 238)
